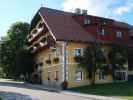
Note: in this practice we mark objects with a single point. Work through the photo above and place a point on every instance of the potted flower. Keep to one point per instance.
(56, 60)
(48, 61)
(78, 58)
(64, 85)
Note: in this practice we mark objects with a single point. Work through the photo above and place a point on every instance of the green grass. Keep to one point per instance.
(0, 98)
(122, 90)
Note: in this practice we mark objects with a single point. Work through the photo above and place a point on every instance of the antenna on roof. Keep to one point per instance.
(43, 3)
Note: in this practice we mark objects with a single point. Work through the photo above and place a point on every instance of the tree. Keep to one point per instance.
(24, 63)
(91, 59)
(11, 44)
(118, 56)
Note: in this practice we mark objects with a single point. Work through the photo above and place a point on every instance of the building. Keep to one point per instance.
(130, 54)
(56, 37)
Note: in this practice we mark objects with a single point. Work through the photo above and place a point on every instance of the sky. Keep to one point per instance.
(12, 11)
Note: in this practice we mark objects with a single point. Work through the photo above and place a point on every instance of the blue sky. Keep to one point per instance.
(23, 10)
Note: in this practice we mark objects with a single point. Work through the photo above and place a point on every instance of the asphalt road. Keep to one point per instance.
(18, 91)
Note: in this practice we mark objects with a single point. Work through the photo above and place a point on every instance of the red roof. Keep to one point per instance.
(64, 27)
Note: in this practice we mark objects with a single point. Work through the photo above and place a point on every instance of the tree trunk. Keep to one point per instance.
(93, 71)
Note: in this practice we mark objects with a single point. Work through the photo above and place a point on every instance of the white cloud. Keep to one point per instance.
(122, 10)
(128, 7)
(105, 8)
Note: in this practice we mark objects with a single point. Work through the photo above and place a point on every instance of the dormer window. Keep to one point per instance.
(119, 34)
(87, 21)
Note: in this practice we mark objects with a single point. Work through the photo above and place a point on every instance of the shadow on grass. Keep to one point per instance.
(113, 89)
(14, 96)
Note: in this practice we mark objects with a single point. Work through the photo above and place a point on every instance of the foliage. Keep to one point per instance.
(118, 56)
(10, 45)
(56, 60)
(48, 61)
(24, 62)
(92, 57)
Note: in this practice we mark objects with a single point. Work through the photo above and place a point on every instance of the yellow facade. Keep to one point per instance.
(71, 67)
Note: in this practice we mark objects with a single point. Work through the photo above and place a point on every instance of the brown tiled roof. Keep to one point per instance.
(64, 27)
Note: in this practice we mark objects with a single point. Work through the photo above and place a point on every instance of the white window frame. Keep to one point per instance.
(101, 75)
(119, 34)
(122, 71)
(80, 78)
(81, 50)
(87, 21)
(102, 31)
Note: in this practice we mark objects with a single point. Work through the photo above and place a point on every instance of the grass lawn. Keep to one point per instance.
(121, 90)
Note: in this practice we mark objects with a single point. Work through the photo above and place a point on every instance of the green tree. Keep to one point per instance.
(91, 59)
(118, 56)
(24, 63)
(14, 42)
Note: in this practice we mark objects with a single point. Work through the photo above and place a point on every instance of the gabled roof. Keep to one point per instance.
(63, 26)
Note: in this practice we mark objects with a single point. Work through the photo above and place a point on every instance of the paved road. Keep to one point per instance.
(19, 91)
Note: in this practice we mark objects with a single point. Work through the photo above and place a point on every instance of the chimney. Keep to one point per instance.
(84, 12)
(77, 11)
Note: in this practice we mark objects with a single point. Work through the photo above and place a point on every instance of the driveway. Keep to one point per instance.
(10, 90)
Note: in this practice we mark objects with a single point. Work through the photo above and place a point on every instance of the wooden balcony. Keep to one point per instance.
(43, 42)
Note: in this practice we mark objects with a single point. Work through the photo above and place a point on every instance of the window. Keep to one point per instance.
(56, 75)
(119, 34)
(87, 21)
(49, 56)
(78, 52)
(101, 75)
(49, 75)
(79, 76)
(121, 75)
(101, 31)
